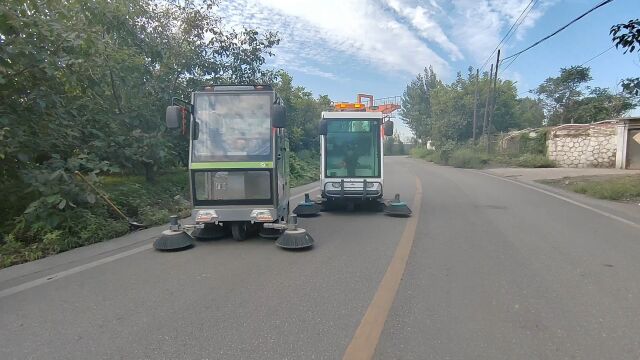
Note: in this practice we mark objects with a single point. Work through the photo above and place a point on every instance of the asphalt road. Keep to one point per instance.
(496, 270)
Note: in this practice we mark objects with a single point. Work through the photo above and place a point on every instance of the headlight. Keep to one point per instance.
(261, 215)
(206, 216)
(335, 185)
(370, 185)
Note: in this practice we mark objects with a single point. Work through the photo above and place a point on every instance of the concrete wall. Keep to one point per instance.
(583, 145)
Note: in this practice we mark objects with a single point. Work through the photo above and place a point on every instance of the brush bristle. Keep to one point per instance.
(295, 239)
(307, 209)
(397, 209)
(173, 240)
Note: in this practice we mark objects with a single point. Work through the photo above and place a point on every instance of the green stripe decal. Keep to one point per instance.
(232, 165)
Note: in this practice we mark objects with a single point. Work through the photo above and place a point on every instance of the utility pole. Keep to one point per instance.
(486, 105)
(493, 106)
(475, 106)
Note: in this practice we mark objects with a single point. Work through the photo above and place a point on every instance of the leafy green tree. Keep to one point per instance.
(627, 36)
(601, 104)
(416, 104)
(559, 95)
(83, 86)
(303, 113)
(529, 113)
(567, 98)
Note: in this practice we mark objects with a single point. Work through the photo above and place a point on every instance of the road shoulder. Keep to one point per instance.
(532, 177)
(22, 273)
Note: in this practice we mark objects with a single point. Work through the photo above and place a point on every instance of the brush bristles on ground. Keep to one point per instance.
(173, 240)
(397, 210)
(295, 239)
(307, 209)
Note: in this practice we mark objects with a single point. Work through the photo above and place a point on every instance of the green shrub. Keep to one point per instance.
(468, 158)
(534, 161)
(534, 145)
(423, 153)
(151, 203)
(304, 169)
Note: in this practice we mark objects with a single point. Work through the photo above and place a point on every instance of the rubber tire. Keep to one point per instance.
(239, 230)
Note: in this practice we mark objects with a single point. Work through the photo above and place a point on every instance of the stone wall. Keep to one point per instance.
(583, 145)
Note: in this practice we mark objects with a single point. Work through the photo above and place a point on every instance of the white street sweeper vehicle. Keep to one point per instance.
(351, 148)
(238, 165)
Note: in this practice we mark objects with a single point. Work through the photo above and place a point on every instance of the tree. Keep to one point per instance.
(83, 86)
(627, 36)
(529, 113)
(601, 104)
(559, 95)
(303, 113)
(444, 113)
(416, 104)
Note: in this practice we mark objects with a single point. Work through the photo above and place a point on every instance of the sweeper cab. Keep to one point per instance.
(238, 161)
(351, 148)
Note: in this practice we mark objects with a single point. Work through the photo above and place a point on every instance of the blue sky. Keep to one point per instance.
(344, 47)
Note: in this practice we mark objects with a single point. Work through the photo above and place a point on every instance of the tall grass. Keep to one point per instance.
(624, 188)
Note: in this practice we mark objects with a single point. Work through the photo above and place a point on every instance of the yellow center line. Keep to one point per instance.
(364, 341)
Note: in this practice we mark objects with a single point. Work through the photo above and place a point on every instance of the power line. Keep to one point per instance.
(597, 56)
(521, 21)
(584, 63)
(511, 62)
(603, 3)
(507, 34)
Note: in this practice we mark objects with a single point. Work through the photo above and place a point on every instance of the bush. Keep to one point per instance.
(304, 169)
(534, 161)
(444, 152)
(83, 224)
(468, 158)
(534, 145)
(423, 153)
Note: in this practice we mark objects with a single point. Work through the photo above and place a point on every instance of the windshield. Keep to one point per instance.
(232, 127)
(352, 148)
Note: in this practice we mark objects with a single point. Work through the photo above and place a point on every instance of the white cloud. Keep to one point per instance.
(481, 24)
(319, 30)
(424, 21)
(328, 38)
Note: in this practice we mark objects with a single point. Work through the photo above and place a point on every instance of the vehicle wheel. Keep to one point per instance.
(239, 230)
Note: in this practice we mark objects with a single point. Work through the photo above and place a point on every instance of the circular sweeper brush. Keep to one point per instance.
(294, 237)
(174, 239)
(397, 208)
(307, 208)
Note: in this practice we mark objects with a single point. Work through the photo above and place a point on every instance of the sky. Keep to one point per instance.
(344, 47)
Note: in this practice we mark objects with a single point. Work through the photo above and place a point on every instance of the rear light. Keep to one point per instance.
(261, 216)
(205, 216)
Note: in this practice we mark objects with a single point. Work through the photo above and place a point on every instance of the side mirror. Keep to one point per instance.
(279, 116)
(322, 127)
(388, 128)
(195, 131)
(173, 116)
